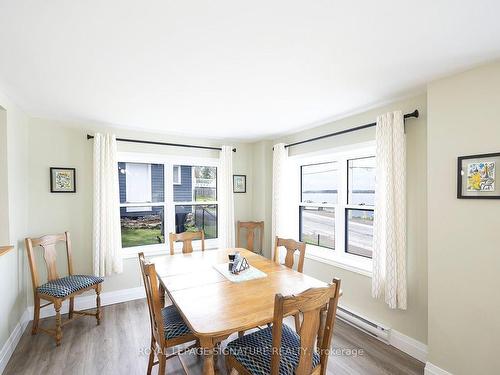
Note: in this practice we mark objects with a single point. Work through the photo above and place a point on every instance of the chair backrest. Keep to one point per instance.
(48, 245)
(187, 240)
(151, 286)
(252, 228)
(291, 247)
(311, 303)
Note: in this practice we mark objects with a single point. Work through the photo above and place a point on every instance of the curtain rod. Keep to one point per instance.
(414, 114)
(164, 143)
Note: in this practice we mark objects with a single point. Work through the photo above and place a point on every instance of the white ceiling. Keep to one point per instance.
(232, 68)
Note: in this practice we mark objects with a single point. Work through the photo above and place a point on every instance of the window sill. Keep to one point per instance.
(362, 266)
(164, 249)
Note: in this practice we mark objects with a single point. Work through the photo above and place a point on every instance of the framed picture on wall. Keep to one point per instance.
(477, 176)
(62, 180)
(239, 183)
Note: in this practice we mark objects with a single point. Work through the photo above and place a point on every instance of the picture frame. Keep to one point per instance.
(62, 180)
(477, 176)
(239, 183)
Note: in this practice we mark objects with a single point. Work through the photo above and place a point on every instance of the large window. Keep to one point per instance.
(158, 198)
(336, 208)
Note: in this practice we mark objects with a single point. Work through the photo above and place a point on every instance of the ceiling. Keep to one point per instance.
(230, 68)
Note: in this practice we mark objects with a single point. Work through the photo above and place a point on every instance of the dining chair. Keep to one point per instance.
(252, 229)
(168, 329)
(278, 349)
(291, 247)
(187, 240)
(58, 289)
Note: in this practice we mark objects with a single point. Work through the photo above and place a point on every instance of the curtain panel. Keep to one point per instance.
(106, 208)
(389, 238)
(226, 200)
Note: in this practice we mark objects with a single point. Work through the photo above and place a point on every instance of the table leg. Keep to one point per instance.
(207, 345)
(322, 324)
(162, 295)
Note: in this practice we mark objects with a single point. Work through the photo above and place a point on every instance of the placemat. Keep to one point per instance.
(246, 275)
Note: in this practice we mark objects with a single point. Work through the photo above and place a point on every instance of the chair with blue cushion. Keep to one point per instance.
(279, 350)
(58, 289)
(168, 329)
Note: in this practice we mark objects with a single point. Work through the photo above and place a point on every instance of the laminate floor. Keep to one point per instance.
(118, 346)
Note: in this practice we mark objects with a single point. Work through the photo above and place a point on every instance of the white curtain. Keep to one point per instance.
(389, 242)
(284, 187)
(106, 205)
(226, 200)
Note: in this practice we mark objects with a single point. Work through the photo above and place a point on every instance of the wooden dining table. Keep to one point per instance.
(214, 307)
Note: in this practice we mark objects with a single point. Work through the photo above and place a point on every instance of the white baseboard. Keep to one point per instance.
(431, 369)
(410, 346)
(87, 301)
(11, 343)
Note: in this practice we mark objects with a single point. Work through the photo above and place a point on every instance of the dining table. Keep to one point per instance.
(213, 306)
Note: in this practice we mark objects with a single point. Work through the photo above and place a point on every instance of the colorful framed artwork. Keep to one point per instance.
(62, 180)
(239, 183)
(477, 176)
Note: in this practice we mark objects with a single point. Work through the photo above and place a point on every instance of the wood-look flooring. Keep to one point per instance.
(117, 347)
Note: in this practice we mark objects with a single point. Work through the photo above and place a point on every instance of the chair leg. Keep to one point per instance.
(98, 304)
(71, 307)
(241, 333)
(151, 356)
(57, 306)
(36, 316)
(297, 322)
(162, 360)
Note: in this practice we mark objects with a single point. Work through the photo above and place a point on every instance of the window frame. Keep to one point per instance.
(338, 257)
(168, 204)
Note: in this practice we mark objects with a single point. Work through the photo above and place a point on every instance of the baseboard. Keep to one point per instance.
(431, 369)
(87, 301)
(11, 343)
(408, 345)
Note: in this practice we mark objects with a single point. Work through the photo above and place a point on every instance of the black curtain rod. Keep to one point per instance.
(164, 143)
(414, 114)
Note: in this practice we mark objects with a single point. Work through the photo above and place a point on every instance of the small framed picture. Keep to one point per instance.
(477, 177)
(62, 180)
(239, 183)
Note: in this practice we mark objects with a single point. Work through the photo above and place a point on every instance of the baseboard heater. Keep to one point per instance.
(374, 329)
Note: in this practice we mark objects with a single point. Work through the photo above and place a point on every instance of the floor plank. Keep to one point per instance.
(119, 346)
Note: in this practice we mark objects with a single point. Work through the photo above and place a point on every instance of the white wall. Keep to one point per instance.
(13, 207)
(464, 235)
(67, 146)
(357, 287)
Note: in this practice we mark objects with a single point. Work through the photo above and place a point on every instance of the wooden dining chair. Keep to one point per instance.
(291, 247)
(58, 289)
(168, 329)
(252, 229)
(278, 349)
(187, 240)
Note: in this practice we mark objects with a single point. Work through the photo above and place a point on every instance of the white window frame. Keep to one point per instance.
(338, 257)
(168, 205)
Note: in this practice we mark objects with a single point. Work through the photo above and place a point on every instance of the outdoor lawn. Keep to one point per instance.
(140, 237)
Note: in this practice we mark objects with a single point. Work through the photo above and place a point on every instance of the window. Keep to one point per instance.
(361, 196)
(336, 208)
(192, 213)
(319, 196)
(159, 198)
(141, 203)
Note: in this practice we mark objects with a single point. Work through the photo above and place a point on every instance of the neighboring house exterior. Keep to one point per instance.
(184, 189)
